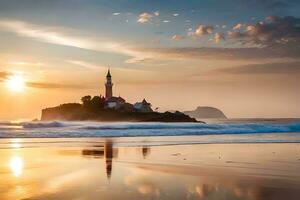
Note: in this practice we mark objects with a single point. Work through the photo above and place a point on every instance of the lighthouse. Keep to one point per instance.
(108, 86)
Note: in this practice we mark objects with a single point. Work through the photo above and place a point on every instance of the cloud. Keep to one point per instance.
(139, 59)
(177, 37)
(202, 30)
(144, 18)
(45, 34)
(85, 64)
(61, 36)
(147, 17)
(40, 85)
(4, 75)
(25, 63)
(212, 53)
(267, 68)
(67, 37)
(273, 31)
(237, 26)
(218, 37)
(234, 35)
(64, 36)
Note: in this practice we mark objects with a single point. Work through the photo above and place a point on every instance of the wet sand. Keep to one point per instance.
(147, 168)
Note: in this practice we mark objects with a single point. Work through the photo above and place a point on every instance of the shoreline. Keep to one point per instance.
(136, 141)
(244, 138)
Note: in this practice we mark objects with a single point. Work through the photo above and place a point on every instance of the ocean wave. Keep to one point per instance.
(7, 123)
(51, 124)
(141, 126)
(42, 124)
(130, 129)
(203, 128)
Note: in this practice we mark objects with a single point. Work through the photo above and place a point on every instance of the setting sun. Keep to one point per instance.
(16, 83)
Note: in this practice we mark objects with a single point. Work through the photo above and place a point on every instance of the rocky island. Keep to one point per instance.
(206, 112)
(111, 108)
(79, 112)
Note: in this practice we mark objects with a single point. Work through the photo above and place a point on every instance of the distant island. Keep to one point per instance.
(111, 108)
(206, 112)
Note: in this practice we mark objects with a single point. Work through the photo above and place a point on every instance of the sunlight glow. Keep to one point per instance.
(16, 143)
(16, 83)
(16, 165)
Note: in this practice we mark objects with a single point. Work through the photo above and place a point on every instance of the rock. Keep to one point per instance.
(206, 112)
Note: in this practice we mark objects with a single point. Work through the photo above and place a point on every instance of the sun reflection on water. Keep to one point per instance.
(16, 165)
(16, 143)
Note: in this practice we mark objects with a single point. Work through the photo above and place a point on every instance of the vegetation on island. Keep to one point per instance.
(95, 108)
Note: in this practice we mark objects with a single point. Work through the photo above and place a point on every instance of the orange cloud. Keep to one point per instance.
(144, 17)
(203, 30)
(237, 26)
(177, 37)
(40, 85)
(4, 75)
(218, 37)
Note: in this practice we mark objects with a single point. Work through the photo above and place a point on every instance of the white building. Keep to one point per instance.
(115, 102)
(143, 106)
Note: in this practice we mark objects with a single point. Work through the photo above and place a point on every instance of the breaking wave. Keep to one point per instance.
(124, 129)
(42, 124)
(204, 128)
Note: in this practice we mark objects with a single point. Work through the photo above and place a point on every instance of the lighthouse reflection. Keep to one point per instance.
(146, 151)
(109, 153)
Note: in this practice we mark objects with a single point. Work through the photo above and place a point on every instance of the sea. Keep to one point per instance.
(213, 131)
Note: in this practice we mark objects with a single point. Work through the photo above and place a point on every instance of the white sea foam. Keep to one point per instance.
(115, 129)
(42, 124)
(125, 129)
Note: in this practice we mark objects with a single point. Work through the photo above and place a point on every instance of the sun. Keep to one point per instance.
(16, 83)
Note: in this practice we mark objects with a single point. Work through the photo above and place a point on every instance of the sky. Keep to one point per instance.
(241, 56)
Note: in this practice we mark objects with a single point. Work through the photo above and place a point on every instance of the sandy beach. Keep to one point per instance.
(143, 168)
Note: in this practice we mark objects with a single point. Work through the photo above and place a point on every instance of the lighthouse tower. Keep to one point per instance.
(108, 86)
